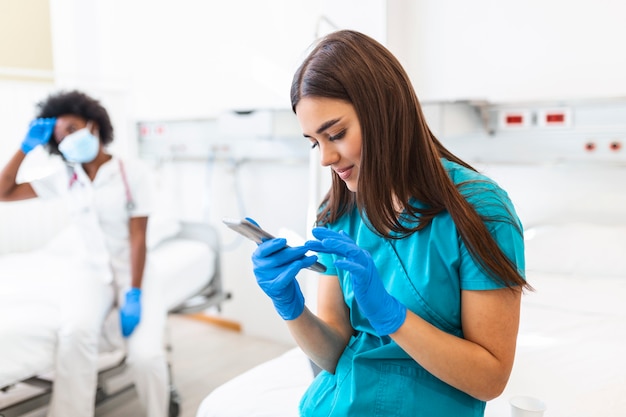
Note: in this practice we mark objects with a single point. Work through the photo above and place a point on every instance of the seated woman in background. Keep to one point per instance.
(418, 311)
(110, 201)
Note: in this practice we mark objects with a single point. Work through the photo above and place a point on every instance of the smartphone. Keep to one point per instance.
(258, 235)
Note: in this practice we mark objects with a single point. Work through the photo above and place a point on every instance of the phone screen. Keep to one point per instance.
(248, 229)
(258, 235)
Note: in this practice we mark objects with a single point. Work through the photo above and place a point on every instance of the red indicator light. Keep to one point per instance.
(555, 118)
(514, 119)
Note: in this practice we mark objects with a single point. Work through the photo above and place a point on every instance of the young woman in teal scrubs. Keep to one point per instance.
(418, 310)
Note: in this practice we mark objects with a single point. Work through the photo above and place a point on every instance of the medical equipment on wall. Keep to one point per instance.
(211, 162)
(234, 135)
(581, 131)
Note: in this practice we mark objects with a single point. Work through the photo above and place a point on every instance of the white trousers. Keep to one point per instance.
(89, 300)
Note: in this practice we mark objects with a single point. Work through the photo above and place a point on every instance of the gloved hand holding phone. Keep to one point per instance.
(130, 313)
(39, 133)
(384, 312)
(275, 266)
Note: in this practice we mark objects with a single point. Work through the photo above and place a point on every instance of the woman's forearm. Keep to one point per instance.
(321, 342)
(138, 250)
(9, 189)
(480, 362)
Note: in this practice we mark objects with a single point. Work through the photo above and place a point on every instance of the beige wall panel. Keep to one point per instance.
(25, 40)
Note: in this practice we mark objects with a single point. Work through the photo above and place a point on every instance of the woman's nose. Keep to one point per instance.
(328, 155)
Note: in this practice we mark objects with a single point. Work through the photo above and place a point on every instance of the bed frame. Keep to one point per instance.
(213, 295)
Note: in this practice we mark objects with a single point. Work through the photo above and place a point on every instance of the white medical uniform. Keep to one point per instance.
(101, 214)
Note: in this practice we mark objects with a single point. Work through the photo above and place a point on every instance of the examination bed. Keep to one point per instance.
(185, 257)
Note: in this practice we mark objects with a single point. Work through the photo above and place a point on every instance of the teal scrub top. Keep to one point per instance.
(425, 271)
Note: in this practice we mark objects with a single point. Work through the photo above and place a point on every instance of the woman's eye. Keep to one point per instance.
(337, 136)
(314, 145)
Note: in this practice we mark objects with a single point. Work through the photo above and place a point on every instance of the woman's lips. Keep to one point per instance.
(344, 173)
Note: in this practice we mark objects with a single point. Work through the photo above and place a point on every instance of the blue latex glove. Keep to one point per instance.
(130, 313)
(39, 132)
(384, 312)
(275, 266)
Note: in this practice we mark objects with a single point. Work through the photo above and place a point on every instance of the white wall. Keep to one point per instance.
(503, 50)
(195, 58)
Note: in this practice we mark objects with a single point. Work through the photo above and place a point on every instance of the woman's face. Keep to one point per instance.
(67, 124)
(332, 126)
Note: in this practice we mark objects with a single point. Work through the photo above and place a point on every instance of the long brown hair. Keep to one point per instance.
(400, 156)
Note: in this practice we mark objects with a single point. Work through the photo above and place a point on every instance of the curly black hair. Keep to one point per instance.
(79, 104)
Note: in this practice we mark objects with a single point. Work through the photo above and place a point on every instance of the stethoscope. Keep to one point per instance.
(130, 202)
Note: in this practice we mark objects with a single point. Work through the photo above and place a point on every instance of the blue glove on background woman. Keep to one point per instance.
(39, 133)
(275, 266)
(384, 312)
(130, 313)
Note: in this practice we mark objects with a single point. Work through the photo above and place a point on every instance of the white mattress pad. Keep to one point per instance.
(183, 267)
(32, 285)
(570, 350)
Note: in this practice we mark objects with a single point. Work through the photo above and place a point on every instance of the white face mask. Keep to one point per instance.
(80, 146)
